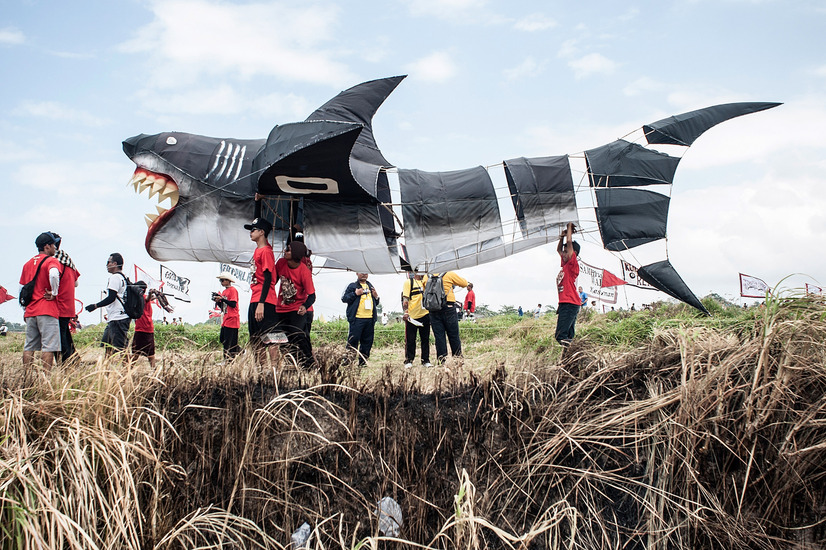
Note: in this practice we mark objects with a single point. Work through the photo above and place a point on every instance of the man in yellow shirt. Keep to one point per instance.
(416, 320)
(361, 299)
(445, 322)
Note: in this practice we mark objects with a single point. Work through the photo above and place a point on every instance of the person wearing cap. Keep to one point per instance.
(227, 301)
(42, 313)
(361, 298)
(296, 294)
(569, 298)
(416, 320)
(66, 299)
(143, 341)
(115, 335)
(261, 315)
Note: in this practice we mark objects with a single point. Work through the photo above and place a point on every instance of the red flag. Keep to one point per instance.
(5, 296)
(609, 279)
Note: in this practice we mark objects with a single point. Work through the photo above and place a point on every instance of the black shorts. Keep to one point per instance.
(143, 343)
(267, 324)
(115, 333)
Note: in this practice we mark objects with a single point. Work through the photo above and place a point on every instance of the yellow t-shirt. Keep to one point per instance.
(414, 308)
(365, 310)
(450, 279)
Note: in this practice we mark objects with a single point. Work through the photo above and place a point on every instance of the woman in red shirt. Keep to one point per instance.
(228, 302)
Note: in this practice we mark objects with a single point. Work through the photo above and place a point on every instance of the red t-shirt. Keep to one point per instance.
(145, 323)
(263, 260)
(40, 305)
(232, 318)
(66, 294)
(470, 301)
(294, 285)
(566, 282)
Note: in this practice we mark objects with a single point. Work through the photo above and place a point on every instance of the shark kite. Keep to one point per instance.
(362, 213)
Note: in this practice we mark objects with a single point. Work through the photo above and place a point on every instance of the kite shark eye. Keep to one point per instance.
(171, 140)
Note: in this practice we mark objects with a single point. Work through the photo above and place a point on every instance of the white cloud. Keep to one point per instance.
(820, 71)
(436, 67)
(643, 85)
(591, 64)
(767, 228)
(568, 49)
(443, 8)
(72, 55)
(535, 22)
(630, 14)
(528, 67)
(10, 35)
(58, 111)
(11, 151)
(190, 39)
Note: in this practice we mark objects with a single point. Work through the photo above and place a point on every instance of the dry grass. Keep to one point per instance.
(699, 438)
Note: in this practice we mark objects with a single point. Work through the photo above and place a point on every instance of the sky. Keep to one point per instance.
(487, 81)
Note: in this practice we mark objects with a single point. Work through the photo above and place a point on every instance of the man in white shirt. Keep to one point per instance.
(116, 332)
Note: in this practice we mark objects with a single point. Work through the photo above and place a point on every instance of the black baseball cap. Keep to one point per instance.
(259, 223)
(43, 239)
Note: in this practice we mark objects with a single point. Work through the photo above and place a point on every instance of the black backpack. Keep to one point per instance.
(434, 298)
(133, 302)
(27, 292)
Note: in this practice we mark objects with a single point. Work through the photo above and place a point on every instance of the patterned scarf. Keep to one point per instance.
(64, 259)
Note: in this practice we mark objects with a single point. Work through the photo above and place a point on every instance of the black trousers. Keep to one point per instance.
(445, 325)
(410, 332)
(360, 337)
(566, 322)
(67, 343)
(293, 326)
(229, 339)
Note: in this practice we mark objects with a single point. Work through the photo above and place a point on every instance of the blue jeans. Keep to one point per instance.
(565, 323)
(445, 326)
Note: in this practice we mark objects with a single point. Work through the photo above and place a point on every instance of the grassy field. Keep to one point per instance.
(655, 429)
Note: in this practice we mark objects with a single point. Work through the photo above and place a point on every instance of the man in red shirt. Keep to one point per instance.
(66, 300)
(569, 299)
(296, 293)
(228, 302)
(470, 301)
(261, 315)
(41, 315)
(143, 341)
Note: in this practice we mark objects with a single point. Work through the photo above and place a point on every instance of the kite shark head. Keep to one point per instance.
(204, 195)
(205, 187)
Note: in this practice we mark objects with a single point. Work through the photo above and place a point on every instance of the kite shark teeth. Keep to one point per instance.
(157, 186)
(170, 192)
(161, 188)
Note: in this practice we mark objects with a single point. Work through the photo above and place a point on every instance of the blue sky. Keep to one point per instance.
(487, 81)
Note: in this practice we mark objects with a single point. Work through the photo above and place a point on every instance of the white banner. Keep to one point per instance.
(629, 273)
(752, 287)
(590, 279)
(243, 275)
(174, 285)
